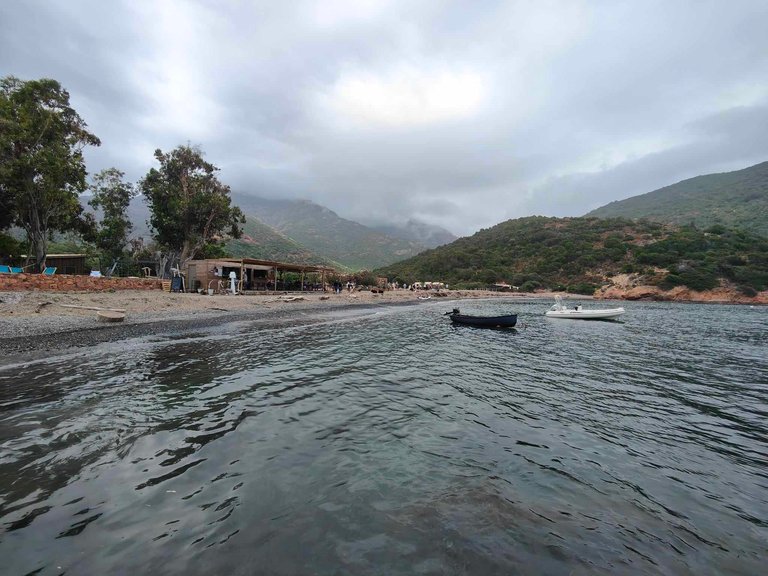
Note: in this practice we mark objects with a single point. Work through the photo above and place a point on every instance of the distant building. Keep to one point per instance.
(64, 263)
(253, 275)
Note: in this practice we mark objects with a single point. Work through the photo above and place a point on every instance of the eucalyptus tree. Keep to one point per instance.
(190, 209)
(42, 170)
(112, 196)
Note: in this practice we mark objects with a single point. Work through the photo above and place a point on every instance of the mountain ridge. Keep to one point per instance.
(345, 241)
(737, 199)
(582, 254)
(300, 231)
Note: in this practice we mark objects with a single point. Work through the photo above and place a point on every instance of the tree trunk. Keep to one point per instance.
(36, 225)
(41, 251)
(38, 240)
(188, 252)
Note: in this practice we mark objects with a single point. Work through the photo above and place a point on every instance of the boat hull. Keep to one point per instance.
(508, 321)
(606, 314)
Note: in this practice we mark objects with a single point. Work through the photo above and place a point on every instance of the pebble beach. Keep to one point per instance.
(35, 322)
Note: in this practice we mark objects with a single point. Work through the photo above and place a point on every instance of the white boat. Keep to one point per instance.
(559, 310)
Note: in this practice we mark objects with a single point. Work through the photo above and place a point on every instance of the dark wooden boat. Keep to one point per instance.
(506, 321)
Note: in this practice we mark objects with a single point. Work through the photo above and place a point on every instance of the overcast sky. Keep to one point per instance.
(461, 114)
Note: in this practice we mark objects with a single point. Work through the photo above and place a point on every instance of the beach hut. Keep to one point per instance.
(252, 275)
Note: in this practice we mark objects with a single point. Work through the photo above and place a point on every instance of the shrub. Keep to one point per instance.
(748, 291)
(9, 246)
(699, 279)
(670, 281)
(582, 288)
(629, 268)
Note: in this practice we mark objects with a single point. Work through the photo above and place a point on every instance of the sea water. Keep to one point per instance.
(387, 441)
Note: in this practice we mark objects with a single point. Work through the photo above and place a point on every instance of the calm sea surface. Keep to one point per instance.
(387, 441)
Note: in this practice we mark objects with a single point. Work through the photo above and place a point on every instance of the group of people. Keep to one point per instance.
(338, 286)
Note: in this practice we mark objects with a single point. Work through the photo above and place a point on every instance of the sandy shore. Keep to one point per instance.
(34, 322)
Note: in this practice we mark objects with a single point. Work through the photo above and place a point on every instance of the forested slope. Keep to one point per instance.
(579, 254)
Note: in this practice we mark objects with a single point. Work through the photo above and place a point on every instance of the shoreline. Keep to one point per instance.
(34, 323)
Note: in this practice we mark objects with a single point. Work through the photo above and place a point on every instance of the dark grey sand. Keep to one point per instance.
(28, 338)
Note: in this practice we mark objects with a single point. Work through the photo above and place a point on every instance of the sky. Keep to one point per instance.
(458, 114)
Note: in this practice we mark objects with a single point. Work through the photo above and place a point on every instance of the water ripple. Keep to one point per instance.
(389, 441)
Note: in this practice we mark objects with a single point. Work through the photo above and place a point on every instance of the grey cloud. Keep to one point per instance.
(728, 140)
(581, 104)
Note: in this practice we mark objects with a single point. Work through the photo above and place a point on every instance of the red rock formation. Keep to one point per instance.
(723, 294)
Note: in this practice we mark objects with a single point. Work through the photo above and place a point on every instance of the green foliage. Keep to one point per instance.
(582, 288)
(365, 278)
(536, 251)
(213, 250)
(42, 169)
(748, 291)
(189, 207)
(112, 196)
(699, 260)
(581, 253)
(264, 242)
(716, 202)
(9, 245)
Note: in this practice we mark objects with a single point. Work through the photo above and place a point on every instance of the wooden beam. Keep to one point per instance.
(98, 308)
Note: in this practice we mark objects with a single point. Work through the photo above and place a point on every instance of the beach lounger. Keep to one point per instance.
(15, 270)
(5, 269)
(49, 270)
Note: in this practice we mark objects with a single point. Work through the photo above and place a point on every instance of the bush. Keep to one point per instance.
(750, 276)
(748, 291)
(9, 246)
(529, 286)
(670, 281)
(582, 288)
(699, 279)
(629, 268)
(365, 278)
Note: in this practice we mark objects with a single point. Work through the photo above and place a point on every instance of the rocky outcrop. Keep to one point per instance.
(624, 287)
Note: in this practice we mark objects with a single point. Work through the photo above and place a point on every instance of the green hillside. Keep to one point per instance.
(578, 254)
(263, 242)
(301, 232)
(326, 233)
(734, 199)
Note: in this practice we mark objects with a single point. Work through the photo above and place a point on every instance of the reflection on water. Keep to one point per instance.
(393, 442)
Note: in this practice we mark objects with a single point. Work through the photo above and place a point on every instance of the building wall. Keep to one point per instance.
(64, 264)
(68, 283)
